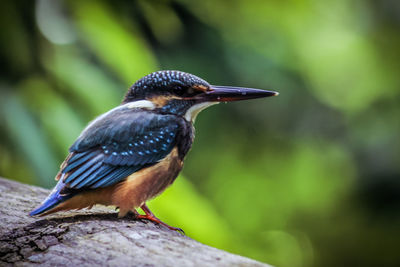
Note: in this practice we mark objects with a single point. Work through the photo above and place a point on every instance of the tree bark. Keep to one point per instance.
(93, 237)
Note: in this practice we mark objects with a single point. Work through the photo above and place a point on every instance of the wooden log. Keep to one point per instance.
(93, 237)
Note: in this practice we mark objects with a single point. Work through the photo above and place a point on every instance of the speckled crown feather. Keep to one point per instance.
(162, 82)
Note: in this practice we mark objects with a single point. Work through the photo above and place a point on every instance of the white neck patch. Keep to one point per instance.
(146, 104)
(192, 112)
(141, 104)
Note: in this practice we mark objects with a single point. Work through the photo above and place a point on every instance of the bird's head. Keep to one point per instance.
(184, 94)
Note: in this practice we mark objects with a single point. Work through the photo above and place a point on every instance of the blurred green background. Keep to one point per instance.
(309, 178)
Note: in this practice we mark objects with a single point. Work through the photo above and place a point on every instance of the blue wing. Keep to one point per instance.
(116, 145)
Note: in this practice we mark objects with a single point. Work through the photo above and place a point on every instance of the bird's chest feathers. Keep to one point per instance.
(148, 182)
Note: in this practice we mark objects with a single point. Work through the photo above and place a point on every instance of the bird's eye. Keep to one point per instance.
(179, 90)
(190, 91)
(184, 91)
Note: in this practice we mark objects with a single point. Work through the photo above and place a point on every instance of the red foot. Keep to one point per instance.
(151, 217)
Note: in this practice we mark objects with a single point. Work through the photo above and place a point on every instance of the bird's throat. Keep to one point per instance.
(192, 112)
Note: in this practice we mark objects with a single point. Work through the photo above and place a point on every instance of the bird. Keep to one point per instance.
(133, 152)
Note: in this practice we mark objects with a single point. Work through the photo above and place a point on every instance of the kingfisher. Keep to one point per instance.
(133, 152)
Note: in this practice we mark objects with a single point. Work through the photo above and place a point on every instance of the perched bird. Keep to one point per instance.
(133, 152)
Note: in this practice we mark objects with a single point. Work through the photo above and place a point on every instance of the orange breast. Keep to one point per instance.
(131, 193)
(146, 183)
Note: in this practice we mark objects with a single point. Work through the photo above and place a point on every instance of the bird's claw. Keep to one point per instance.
(157, 221)
(179, 230)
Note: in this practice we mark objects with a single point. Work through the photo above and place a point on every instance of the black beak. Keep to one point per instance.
(227, 94)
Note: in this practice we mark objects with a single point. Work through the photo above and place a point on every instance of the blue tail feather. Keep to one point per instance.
(52, 200)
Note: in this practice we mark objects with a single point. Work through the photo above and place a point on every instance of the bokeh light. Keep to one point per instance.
(309, 178)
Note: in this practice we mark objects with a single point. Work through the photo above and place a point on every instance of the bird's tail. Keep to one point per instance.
(54, 199)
